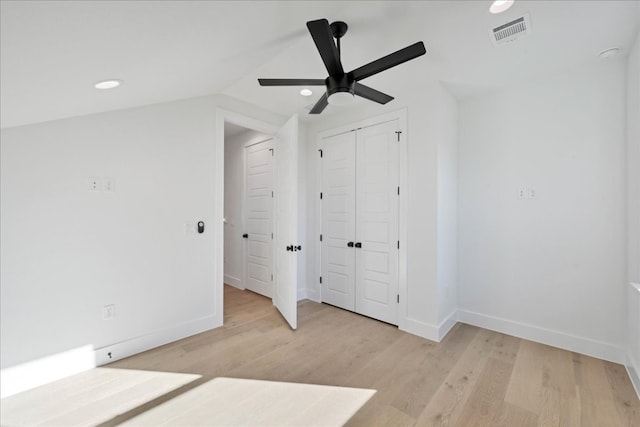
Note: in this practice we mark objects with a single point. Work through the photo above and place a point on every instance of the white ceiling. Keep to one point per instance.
(53, 51)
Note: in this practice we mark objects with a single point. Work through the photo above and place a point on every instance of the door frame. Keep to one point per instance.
(223, 116)
(403, 210)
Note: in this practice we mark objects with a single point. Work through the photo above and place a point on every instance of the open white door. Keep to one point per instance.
(286, 230)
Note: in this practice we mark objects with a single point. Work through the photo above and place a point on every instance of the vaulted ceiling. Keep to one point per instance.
(52, 52)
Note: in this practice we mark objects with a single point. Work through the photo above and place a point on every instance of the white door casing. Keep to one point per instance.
(259, 217)
(377, 222)
(286, 220)
(338, 227)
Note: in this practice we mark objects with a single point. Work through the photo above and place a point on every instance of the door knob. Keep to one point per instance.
(350, 244)
(297, 248)
(245, 236)
(358, 245)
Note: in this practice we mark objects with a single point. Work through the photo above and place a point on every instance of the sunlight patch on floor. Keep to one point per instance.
(245, 402)
(88, 398)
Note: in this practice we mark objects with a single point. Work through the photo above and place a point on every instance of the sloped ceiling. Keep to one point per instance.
(52, 52)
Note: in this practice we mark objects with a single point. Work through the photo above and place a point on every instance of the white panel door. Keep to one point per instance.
(259, 217)
(286, 233)
(338, 220)
(377, 222)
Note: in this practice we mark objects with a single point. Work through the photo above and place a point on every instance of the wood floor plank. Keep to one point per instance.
(447, 404)
(525, 386)
(622, 390)
(488, 395)
(510, 415)
(424, 380)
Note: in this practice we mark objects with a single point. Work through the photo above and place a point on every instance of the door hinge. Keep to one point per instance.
(398, 244)
(320, 150)
(271, 149)
(271, 236)
(398, 191)
(398, 132)
(272, 194)
(398, 298)
(320, 279)
(321, 237)
(321, 195)
(272, 277)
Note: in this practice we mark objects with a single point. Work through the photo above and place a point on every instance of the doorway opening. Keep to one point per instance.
(248, 209)
(267, 218)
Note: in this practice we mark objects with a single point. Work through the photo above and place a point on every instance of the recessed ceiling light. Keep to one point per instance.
(108, 84)
(609, 53)
(306, 92)
(500, 6)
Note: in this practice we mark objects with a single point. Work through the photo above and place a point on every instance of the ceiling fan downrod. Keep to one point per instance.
(338, 29)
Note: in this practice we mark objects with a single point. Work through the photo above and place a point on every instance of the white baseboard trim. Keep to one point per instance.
(421, 329)
(234, 281)
(427, 330)
(35, 373)
(447, 324)
(634, 373)
(155, 339)
(594, 348)
(314, 295)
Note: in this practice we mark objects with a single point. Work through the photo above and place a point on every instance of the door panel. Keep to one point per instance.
(259, 217)
(377, 222)
(285, 296)
(338, 214)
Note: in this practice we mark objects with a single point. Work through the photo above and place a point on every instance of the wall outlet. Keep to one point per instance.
(108, 312)
(95, 184)
(531, 193)
(522, 193)
(107, 185)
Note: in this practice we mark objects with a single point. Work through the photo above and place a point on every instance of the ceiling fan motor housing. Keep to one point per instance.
(339, 84)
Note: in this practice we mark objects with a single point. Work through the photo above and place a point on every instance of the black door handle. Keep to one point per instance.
(290, 248)
(245, 236)
(350, 244)
(358, 245)
(297, 248)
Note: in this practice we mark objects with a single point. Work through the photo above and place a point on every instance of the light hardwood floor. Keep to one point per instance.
(474, 377)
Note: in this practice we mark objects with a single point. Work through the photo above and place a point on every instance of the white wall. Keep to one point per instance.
(66, 252)
(552, 269)
(234, 158)
(633, 170)
(448, 212)
(431, 123)
(633, 158)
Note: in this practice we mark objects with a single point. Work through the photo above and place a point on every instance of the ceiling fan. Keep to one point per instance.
(341, 86)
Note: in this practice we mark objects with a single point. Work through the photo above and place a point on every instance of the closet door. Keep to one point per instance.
(377, 222)
(338, 220)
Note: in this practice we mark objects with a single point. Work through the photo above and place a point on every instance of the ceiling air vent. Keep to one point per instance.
(511, 31)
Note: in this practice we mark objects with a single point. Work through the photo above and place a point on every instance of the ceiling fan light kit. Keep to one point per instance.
(342, 87)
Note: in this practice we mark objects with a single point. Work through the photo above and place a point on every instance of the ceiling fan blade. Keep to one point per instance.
(371, 94)
(291, 82)
(323, 38)
(389, 61)
(320, 105)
